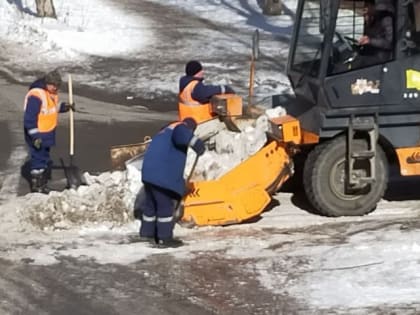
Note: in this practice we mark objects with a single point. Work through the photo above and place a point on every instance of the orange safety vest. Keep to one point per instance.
(188, 107)
(48, 115)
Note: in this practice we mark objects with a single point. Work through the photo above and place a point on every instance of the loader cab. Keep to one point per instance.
(325, 47)
(363, 114)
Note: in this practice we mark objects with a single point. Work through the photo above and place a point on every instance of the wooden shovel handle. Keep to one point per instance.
(70, 87)
(251, 79)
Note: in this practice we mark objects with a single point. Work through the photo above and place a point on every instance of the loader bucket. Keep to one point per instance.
(240, 194)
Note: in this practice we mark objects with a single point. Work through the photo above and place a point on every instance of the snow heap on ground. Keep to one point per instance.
(112, 196)
(108, 197)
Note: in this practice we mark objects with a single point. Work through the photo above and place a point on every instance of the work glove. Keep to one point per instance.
(68, 106)
(189, 188)
(229, 90)
(37, 143)
(199, 147)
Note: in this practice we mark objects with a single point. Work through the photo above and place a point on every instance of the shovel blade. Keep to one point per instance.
(121, 153)
(73, 175)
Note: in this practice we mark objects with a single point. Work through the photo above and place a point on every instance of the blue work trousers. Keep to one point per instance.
(158, 209)
(40, 159)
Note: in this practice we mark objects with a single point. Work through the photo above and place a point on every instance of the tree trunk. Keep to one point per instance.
(45, 8)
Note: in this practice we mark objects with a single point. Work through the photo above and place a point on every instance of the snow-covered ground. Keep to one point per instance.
(146, 60)
(342, 265)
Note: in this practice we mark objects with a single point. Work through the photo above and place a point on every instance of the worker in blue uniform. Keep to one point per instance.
(163, 179)
(41, 108)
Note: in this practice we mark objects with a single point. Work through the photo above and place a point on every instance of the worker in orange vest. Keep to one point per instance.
(194, 95)
(41, 110)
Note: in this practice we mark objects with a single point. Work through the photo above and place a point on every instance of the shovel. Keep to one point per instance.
(253, 110)
(254, 57)
(120, 154)
(179, 208)
(72, 172)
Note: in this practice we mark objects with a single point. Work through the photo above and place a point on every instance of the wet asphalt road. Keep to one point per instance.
(84, 287)
(157, 286)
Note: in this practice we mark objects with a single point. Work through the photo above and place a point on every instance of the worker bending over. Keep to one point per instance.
(194, 95)
(163, 179)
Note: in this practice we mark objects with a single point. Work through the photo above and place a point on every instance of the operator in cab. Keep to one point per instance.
(194, 95)
(376, 44)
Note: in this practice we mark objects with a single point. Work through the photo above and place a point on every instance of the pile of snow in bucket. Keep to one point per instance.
(228, 149)
(111, 196)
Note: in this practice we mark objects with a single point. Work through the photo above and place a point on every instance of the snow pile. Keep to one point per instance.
(108, 197)
(228, 149)
(81, 29)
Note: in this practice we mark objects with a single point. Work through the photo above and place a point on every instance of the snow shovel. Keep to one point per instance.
(120, 154)
(179, 209)
(220, 109)
(253, 110)
(72, 172)
(254, 57)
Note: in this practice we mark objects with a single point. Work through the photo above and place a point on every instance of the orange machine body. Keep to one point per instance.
(245, 191)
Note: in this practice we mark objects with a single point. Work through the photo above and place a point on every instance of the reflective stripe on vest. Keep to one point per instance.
(188, 107)
(185, 95)
(48, 114)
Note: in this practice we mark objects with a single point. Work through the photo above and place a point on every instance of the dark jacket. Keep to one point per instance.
(381, 35)
(30, 118)
(202, 92)
(165, 157)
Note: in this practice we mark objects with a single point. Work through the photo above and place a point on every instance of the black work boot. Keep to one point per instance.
(169, 243)
(45, 177)
(36, 181)
(39, 182)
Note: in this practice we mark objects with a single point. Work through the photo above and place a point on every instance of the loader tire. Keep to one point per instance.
(324, 180)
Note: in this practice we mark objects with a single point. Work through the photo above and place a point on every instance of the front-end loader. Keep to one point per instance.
(347, 120)
(362, 116)
(354, 118)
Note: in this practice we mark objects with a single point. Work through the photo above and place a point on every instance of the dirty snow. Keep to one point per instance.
(227, 149)
(87, 32)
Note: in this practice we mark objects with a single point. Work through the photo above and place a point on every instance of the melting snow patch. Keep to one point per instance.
(105, 198)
